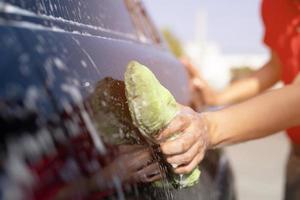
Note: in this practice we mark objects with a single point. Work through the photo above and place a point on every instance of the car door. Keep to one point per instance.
(63, 103)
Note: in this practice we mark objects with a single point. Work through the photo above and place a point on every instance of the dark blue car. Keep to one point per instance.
(63, 111)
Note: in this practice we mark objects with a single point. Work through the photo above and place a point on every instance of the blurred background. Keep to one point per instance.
(224, 39)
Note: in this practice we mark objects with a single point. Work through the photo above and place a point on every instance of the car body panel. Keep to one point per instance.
(56, 57)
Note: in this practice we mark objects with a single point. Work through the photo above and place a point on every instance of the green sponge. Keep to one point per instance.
(152, 107)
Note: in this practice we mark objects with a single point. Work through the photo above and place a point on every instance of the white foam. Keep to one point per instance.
(33, 26)
(94, 134)
(59, 63)
(31, 97)
(73, 92)
(12, 9)
(17, 171)
(8, 8)
(83, 63)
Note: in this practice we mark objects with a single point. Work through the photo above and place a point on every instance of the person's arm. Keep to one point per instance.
(243, 89)
(196, 98)
(258, 117)
(297, 80)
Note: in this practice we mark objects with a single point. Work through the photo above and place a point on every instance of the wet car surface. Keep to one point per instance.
(63, 111)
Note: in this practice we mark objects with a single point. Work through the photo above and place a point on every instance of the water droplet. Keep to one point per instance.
(86, 84)
(59, 64)
(83, 63)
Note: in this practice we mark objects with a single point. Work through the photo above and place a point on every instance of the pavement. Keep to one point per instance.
(259, 167)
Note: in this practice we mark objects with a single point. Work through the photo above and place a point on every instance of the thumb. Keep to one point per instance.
(178, 124)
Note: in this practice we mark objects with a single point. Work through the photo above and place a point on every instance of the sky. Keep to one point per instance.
(235, 25)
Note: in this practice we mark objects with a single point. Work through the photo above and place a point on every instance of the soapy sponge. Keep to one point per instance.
(152, 107)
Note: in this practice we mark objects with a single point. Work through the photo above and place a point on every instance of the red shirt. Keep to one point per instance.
(282, 34)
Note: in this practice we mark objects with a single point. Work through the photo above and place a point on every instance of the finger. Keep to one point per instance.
(189, 66)
(140, 159)
(149, 173)
(189, 167)
(178, 124)
(181, 144)
(154, 178)
(152, 169)
(185, 110)
(199, 84)
(187, 157)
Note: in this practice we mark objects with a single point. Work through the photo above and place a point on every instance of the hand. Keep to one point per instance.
(135, 164)
(200, 90)
(197, 101)
(189, 147)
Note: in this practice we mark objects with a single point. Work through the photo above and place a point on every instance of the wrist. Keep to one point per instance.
(210, 127)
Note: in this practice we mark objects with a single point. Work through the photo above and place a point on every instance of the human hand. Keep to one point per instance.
(197, 100)
(189, 147)
(135, 164)
(201, 92)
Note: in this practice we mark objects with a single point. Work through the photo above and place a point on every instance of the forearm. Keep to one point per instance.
(237, 92)
(251, 86)
(256, 118)
(243, 89)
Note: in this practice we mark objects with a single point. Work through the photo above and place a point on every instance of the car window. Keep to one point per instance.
(146, 30)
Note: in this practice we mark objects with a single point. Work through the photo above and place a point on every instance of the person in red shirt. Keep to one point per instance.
(255, 113)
